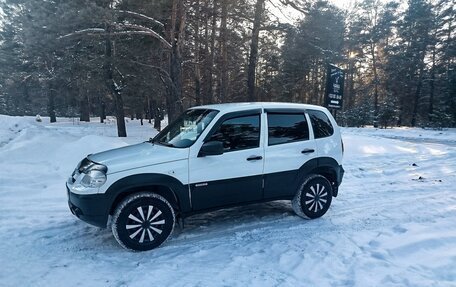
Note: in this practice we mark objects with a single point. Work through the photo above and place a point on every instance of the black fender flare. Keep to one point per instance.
(325, 166)
(141, 182)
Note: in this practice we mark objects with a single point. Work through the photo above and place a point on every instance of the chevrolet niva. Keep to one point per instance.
(211, 157)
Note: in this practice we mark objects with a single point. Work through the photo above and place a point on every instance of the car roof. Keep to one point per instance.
(232, 107)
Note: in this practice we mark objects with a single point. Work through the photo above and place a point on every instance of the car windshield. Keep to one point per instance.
(186, 129)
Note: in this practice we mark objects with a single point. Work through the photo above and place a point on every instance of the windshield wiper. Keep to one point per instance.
(166, 144)
(154, 141)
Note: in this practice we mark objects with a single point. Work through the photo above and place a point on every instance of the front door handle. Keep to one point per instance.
(308, 150)
(254, 157)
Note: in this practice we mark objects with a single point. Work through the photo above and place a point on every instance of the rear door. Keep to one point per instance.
(288, 146)
(236, 175)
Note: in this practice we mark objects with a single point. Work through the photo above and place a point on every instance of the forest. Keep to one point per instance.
(150, 59)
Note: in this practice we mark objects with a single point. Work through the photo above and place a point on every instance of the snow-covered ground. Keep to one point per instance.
(393, 224)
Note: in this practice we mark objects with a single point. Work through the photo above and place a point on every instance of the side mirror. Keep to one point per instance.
(211, 148)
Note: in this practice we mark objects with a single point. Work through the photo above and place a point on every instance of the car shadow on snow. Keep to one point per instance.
(234, 219)
(75, 235)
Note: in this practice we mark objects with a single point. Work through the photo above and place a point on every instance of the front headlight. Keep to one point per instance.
(94, 175)
(87, 177)
(93, 178)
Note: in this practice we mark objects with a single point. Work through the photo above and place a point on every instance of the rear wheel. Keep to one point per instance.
(143, 221)
(313, 198)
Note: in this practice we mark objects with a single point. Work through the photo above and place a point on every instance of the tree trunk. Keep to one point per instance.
(209, 54)
(315, 96)
(207, 76)
(149, 108)
(157, 122)
(431, 92)
(224, 53)
(156, 113)
(210, 85)
(197, 57)
(120, 115)
(51, 105)
(84, 109)
(253, 57)
(418, 89)
(174, 99)
(374, 69)
(401, 112)
(114, 88)
(417, 96)
(350, 86)
(102, 111)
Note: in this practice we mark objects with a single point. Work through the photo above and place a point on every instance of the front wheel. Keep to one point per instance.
(313, 198)
(143, 221)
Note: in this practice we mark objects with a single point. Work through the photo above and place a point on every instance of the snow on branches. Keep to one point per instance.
(124, 29)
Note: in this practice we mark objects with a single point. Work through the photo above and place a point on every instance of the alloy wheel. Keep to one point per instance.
(316, 198)
(145, 223)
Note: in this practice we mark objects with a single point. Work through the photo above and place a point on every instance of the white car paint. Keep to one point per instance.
(185, 165)
(232, 164)
(285, 157)
(137, 156)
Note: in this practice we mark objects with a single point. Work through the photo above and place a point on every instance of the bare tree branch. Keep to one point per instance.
(142, 16)
(101, 32)
(148, 30)
(145, 32)
(293, 5)
(160, 70)
(88, 31)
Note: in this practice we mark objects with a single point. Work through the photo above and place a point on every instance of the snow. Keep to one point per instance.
(393, 223)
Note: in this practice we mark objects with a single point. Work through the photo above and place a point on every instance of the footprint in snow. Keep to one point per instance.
(374, 243)
(399, 229)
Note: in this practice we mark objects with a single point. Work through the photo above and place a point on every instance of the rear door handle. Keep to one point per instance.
(254, 157)
(308, 150)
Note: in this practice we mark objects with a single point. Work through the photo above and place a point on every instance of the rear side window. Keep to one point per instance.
(285, 128)
(239, 133)
(321, 124)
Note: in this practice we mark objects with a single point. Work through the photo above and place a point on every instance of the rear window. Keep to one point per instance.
(321, 124)
(285, 128)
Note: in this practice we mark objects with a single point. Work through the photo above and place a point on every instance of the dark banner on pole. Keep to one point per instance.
(334, 87)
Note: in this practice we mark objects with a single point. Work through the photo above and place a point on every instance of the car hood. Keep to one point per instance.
(138, 155)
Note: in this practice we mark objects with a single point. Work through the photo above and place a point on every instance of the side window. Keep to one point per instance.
(239, 133)
(321, 124)
(285, 128)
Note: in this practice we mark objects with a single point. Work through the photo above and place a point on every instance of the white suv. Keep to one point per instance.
(211, 157)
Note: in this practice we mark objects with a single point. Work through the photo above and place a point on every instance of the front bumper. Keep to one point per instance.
(91, 208)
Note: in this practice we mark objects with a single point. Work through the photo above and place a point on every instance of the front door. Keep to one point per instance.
(236, 175)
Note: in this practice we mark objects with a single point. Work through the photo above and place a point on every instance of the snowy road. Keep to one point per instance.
(393, 224)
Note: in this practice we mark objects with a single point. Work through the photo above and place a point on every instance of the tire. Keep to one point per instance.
(143, 221)
(314, 186)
